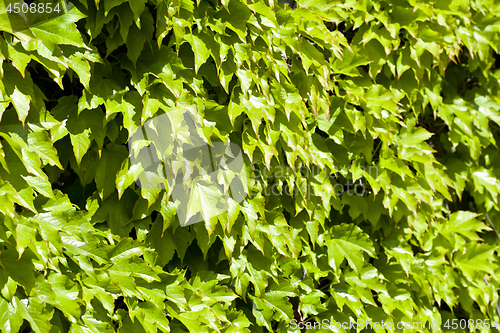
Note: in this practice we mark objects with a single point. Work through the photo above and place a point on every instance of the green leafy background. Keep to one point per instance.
(400, 97)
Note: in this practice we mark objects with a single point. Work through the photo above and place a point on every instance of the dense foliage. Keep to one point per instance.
(369, 129)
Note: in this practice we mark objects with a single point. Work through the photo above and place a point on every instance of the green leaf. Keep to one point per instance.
(204, 198)
(126, 249)
(414, 138)
(11, 317)
(108, 5)
(37, 315)
(20, 91)
(41, 185)
(14, 24)
(134, 267)
(127, 176)
(475, 260)
(128, 326)
(151, 318)
(199, 48)
(117, 212)
(44, 147)
(107, 168)
(349, 242)
(274, 304)
(138, 10)
(87, 249)
(136, 38)
(65, 293)
(135, 43)
(81, 143)
(129, 104)
(466, 224)
(82, 126)
(20, 58)
(18, 268)
(236, 18)
(61, 29)
(79, 63)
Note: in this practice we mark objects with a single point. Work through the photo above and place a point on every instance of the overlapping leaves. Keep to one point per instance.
(370, 130)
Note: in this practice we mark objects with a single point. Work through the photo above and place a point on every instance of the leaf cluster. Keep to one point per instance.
(394, 102)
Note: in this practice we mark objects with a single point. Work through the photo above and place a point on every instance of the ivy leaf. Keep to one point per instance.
(135, 267)
(162, 242)
(236, 17)
(65, 292)
(14, 24)
(108, 5)
(127, 176)
(82, 126)
(135, 43)
(129, 104)
(19, 268)
(466, 224)
(41, 143)
(272, 303)
(129, 326)
(37, 315)
(108, 167)
(80, 143)
(151, 318)
(87, 249)
(61, 29)
(20, 91)
(124, 250)
(138, 10)
(11, 317)
(200, 50)
(474, 259)
(42, 186)
(117, 212)
(204, 198)
(349, 242)
(414, 138)
(20, 58)
(136, 38)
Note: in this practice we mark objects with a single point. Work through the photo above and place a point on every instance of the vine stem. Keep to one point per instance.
(493, 226)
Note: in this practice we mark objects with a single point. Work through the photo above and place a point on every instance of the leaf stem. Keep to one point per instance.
(493, 226)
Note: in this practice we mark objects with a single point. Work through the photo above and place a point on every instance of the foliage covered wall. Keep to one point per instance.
(370, 130)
